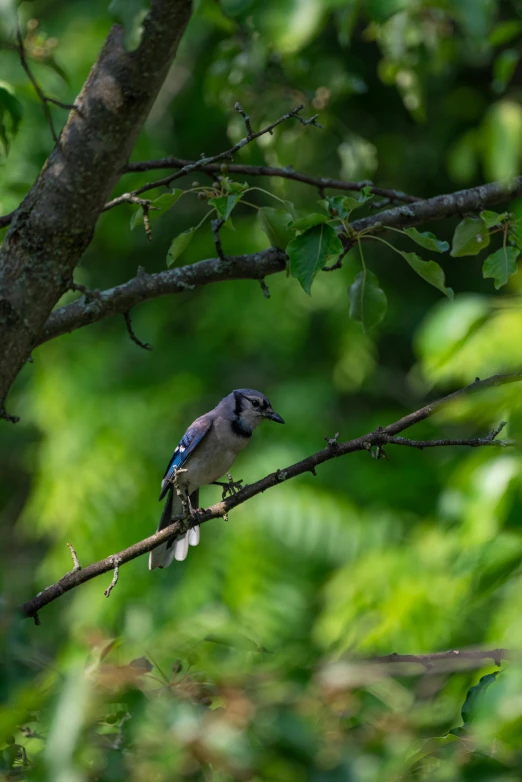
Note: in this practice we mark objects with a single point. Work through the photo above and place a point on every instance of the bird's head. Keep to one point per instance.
(251, 407)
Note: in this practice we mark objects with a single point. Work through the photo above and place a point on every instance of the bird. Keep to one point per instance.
(206, 451)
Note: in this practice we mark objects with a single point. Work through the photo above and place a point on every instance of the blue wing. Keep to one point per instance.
(186, 446)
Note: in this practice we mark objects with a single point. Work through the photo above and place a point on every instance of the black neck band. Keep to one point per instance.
(239, 428)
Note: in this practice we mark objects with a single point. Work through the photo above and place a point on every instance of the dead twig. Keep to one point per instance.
(132, 335)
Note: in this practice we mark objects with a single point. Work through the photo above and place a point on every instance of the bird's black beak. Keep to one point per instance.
(273, 416)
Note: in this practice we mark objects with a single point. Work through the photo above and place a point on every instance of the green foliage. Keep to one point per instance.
(179, 244)
(345, 205)
(224, 205)
(501, 265)
(491, 219)
(10, 116)
(368, 303)
(312, 250)
(276, 225)
(241, 663)
(470, 237)
(474, 698)
(309, 221)
(429, 271)
(427, 240)
(158, 206)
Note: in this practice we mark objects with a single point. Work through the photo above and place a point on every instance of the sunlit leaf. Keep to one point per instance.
(162, 204)
(310, 251)
(470, 237)
(501, 265)
(275, 224)
(179, 244)
(429, 271)
(368, 302)
(475, 695)
(501, 133)
(427, 240)
(505, 31)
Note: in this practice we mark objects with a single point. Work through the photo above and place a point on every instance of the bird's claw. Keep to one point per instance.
(232, 487)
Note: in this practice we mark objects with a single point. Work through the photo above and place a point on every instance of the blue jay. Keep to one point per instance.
(206, 451)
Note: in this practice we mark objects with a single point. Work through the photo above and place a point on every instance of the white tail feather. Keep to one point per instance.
(194, 536)
(178, 549)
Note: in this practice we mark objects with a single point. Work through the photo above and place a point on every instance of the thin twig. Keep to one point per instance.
(246, 119)
(116, 564)
(205, 161)
(265, 289)
(44, 99)
(216, 227)
(76, 562)
(321, 183)
(377, 437)
(132, 335)
(6, 219)
(5, 416)
(37, 88)
(89, 293)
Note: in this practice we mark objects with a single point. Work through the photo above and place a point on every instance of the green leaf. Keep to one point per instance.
(427, 240)
(429, 271)
(11, 109)
(345, 205)
(229, 186)
(504, 66)
(224, 205)
(475, 695)
(470, 237)
(505, 31)
(310, 251)
(501, 265)
(492, 218)
(368, 303)
(290, 208)
(275, 224)
(163, 203)
(309, 221)
(179, 244)
(130, 14)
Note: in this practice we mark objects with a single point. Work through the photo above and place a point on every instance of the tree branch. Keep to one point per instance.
(321, 183)
(118, 300)
(259, 265)
(434, 659)
(192, 166)
(379, 437)
(55, 222)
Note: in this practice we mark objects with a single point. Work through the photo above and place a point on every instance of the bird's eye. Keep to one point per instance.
(255, 403)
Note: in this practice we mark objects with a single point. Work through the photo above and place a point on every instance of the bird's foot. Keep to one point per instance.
(232, 487)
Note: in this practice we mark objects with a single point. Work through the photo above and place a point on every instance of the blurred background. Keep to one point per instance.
(222, 667)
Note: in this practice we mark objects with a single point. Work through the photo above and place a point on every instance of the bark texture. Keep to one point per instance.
(55, 223)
